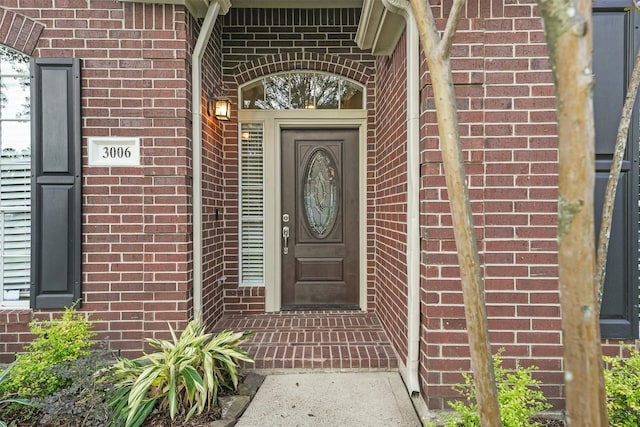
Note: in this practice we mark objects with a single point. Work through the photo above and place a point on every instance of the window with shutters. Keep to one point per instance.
(251, 204)
(616, 39)
(15, 179)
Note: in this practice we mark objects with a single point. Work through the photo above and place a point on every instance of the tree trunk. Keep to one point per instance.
(437, 53)
(614, 176)
(569, 41)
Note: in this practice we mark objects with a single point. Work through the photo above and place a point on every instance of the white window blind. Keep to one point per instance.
(15, 179)
(251, 204)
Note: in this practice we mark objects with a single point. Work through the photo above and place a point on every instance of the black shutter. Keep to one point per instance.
(615, 43)
(56, 197)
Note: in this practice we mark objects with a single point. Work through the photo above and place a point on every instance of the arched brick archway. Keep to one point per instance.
(19, 32)
(238, 297)
(270, 64)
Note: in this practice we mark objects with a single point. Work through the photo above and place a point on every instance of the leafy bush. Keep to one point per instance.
(183, 376)
(622, 382)
(7, 400)
(56, 341)
(85, 401)
(519, 398)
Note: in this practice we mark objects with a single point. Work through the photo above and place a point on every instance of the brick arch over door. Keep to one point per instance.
(19, 32)
(236, 298)
(271, 64)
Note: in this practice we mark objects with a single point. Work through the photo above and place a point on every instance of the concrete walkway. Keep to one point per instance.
(333, 399)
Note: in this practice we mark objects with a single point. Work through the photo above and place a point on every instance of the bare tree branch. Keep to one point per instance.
(438, 59)
(452, 25)
(427, 27)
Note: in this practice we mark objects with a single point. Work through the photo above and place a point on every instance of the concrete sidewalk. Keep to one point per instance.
(331, 399)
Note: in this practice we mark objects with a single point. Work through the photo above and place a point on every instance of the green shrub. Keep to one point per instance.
(519, 398)
(56, 341)
(622, 381)
(85, 402)
(183, 376)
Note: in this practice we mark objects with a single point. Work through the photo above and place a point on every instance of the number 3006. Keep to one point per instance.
(116, 152)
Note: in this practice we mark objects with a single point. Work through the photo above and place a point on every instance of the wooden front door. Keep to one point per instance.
(319, 223)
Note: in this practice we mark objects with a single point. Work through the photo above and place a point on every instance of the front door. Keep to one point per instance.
(319, 224)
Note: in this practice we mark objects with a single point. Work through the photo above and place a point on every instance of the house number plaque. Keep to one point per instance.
(114, 151)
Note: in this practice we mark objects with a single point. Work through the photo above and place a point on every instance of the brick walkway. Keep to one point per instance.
(314, 340)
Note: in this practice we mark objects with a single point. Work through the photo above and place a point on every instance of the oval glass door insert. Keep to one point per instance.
(320, 193)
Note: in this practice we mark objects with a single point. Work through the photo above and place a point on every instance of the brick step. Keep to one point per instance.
(314, 340)
(296, 356)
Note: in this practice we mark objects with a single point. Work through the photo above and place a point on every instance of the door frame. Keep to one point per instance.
(273, 122)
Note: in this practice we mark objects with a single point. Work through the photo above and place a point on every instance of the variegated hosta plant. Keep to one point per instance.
(183, 376)
(6, 400)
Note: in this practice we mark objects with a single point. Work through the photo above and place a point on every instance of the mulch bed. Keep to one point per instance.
(162, 419)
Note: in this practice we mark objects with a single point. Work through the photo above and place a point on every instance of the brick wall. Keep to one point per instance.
(390, 200)
(213, 189)
(258, 42)
(507, 125)
(506, 109)
(521, 193)
(14, 332)
(136, 220)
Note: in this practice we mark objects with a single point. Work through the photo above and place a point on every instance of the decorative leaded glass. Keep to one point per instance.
(320, 193)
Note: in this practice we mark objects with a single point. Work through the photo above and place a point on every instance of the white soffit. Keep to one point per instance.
(379, 29)
(198, 8)
(298, 4)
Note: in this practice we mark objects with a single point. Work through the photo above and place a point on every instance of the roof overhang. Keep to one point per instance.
(298, 4)
(198, 8)
(380, 28)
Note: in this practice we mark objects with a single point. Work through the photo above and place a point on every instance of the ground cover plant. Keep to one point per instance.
(84, 402)
(519, 398)
(33, 374)
(182, 377)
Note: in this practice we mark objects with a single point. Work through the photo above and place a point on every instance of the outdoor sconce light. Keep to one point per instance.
(221, 106)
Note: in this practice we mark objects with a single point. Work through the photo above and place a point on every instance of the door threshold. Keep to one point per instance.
(324, 307)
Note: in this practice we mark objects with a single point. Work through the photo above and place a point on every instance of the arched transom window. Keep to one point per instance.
(297, 90)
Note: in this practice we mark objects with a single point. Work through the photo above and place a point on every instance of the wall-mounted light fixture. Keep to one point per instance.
(219, 106)
(222, 108)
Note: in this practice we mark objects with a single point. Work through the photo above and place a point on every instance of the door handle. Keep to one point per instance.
(285, 236)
